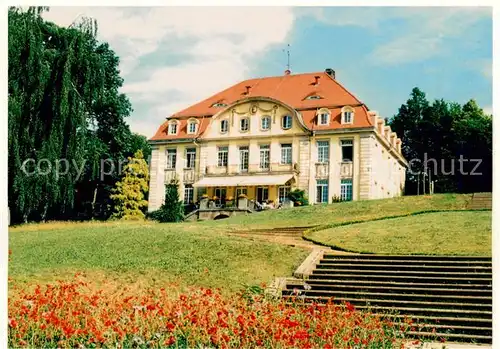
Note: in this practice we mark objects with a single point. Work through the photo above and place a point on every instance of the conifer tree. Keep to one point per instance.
(172, 209)
(129, 193)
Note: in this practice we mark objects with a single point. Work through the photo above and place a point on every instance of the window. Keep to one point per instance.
(347, 115)
(171, 159)
(323, 151)
(286, 122)
(265, 123)
(190, 157)
(346, 189)
(244, 124)
(243, 159)
(322, 191)
(262, 194)
(221, 194)
(286, 153)
(172, 128)
(283, 193)
(224, 124)
(188, 194)
(219, 105)
(222, 156)
(192, 127)
(347, 150)
(313, 97)
(264, 157)
(240, 191)
(324, 118)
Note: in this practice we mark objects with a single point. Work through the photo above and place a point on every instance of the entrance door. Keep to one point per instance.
(262, 194)
(221, 194)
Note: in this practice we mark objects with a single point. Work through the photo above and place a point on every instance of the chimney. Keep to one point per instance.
(248, 89)
(288, 72)
(330, 72)
(316, 78)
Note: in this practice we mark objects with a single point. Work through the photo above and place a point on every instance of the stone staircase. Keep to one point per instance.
(446, 296)
(480, 201)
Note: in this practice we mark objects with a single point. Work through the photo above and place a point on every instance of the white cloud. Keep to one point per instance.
(426, 32)
(226, 40)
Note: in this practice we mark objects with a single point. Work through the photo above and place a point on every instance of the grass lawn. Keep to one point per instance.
(150, 253)
(198, 253)
(448, 233)
(344, 212)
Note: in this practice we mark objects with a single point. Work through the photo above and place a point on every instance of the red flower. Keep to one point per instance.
(12, 323)
(301, 335)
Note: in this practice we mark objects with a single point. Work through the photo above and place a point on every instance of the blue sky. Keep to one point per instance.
(174, 57)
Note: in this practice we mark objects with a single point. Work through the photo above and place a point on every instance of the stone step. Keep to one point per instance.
(445, 321)
(407, 257)
(480, 301)
(391, 287)
(402, 308)
(352, 260)
(403, 267)
(481, 310)
(373, 272)
(401, 278)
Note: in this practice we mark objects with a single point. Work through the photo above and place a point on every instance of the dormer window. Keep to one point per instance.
(224, 125)
(286, 122)
(244, 124)
(219, 105)
(192, 126)
(323, 117)
(347, 115)
(313, 97)
(172, 127)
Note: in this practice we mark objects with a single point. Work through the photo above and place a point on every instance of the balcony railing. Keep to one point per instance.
(170, 175)
(346, 169)
(189, 176)
(322, 170)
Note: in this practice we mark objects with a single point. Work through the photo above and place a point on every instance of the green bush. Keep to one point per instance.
(298, 197)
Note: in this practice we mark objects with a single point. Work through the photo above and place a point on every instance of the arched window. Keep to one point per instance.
(286, 122)
(192, 126)
(347, 115)
(265, 123)
(173, 127)
(323, 117)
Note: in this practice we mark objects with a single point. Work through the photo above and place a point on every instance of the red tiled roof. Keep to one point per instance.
(289, 89)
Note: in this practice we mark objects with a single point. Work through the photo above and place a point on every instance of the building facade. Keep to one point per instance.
(265, 137)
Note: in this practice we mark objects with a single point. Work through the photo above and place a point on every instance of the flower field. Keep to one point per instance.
(77, 314)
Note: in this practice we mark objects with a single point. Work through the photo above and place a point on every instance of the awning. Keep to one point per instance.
(243, 181)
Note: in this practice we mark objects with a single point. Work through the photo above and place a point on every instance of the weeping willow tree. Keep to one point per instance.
(65, 113)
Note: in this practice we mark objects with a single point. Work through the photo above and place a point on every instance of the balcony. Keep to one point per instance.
(322, 170)
(216, 170)
(170, 175)
(346, 169)
(189, 175)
